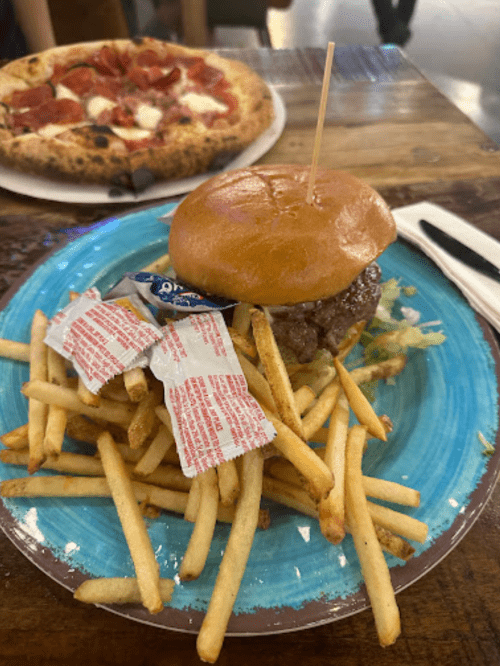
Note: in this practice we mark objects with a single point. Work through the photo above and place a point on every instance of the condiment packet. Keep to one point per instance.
(166, 293)
(214, 417)
(102, 339)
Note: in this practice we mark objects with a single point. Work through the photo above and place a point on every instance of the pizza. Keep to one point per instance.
(104, 112)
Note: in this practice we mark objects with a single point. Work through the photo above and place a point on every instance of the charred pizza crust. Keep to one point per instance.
(188, 138)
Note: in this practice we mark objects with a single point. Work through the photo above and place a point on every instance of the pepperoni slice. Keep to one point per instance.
(139, 76)
(124, 60)
(80, 80)
(165, 81)
(148, 58)
(31, 98)
(106, 61)
(58, 72)
(107, 87)
(54, 111)
(122, 117)
(205, 75)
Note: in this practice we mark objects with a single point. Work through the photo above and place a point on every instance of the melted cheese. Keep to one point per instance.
(131, 133)
(96, 105)
(52, 130)
(62, 92)
(202, 103)
(148, 117)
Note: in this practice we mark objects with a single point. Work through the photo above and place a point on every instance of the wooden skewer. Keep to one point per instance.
(321, 120)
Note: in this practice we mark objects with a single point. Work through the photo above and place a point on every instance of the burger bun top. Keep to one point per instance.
(249, 234)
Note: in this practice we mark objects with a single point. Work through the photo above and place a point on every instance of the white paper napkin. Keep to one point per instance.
(482, 292)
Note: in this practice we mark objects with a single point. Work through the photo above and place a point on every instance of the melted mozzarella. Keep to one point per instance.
(202, 103)
(62, 92)
(148, 117)
(52, 130)
(131, 133)
(96, 105)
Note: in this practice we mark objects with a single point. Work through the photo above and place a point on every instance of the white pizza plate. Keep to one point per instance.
(88, 193)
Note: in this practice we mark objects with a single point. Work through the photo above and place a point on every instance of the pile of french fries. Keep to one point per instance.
(136, 464)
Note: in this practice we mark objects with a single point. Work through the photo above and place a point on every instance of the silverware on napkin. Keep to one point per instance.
(460, 251)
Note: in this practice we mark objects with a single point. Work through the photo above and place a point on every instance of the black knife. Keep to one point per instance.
(460, 251)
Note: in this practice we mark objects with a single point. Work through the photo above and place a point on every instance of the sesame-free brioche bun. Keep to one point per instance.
(249, 234)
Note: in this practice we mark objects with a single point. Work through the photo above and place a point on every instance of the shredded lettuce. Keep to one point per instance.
(389, 335)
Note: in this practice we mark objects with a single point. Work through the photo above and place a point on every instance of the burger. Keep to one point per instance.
(250, 235)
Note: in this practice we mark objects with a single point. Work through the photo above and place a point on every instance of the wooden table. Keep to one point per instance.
(386, 123)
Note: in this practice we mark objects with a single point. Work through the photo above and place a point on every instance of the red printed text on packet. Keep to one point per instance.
(214, 417)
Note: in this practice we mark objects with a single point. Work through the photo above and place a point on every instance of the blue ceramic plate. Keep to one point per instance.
(294, 579)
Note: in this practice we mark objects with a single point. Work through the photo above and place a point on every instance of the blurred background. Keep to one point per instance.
(455, 43)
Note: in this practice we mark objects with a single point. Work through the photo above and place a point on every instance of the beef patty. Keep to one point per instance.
(306, 327)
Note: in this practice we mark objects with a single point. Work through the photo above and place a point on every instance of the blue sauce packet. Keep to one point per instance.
(165, 293)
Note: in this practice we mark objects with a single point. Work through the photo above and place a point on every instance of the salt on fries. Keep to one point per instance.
(137, 465)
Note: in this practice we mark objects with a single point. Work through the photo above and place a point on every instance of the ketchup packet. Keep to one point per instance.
(166, 293)
(102, 338)
(214, 417)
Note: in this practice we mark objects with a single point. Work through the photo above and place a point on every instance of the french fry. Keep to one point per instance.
(196, 553)
(314, 470)
(316, 374)
(242, 342)
(229, 482)
(73, 463)
(373, 565)
(296, 498)
(118, 591)
(276, 373)
(17, 438)
(56, 486)
(351, 339)
(156, 451)
(57, 416)
(381, 370)
(16, 351)
(194, 499)
(331, 509)
(144, 419)
(359, 404)
(84, 430)
(115, 389)
(241, 318)
(290, 495)
(404, 525)
(166, 476)
(162, 413)
(257, 383)
(86, 396)
(234, 560)
(160, 265)
(115, 412)
(136, 384)
(322, 408)
(390, 491)
(97, 486)
(303, 396)
(393, 544)
(37, 410)
(146, 567)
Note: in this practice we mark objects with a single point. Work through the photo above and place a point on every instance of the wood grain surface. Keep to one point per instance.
(401, 135)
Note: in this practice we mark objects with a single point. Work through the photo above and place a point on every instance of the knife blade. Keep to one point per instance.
(460, 251)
